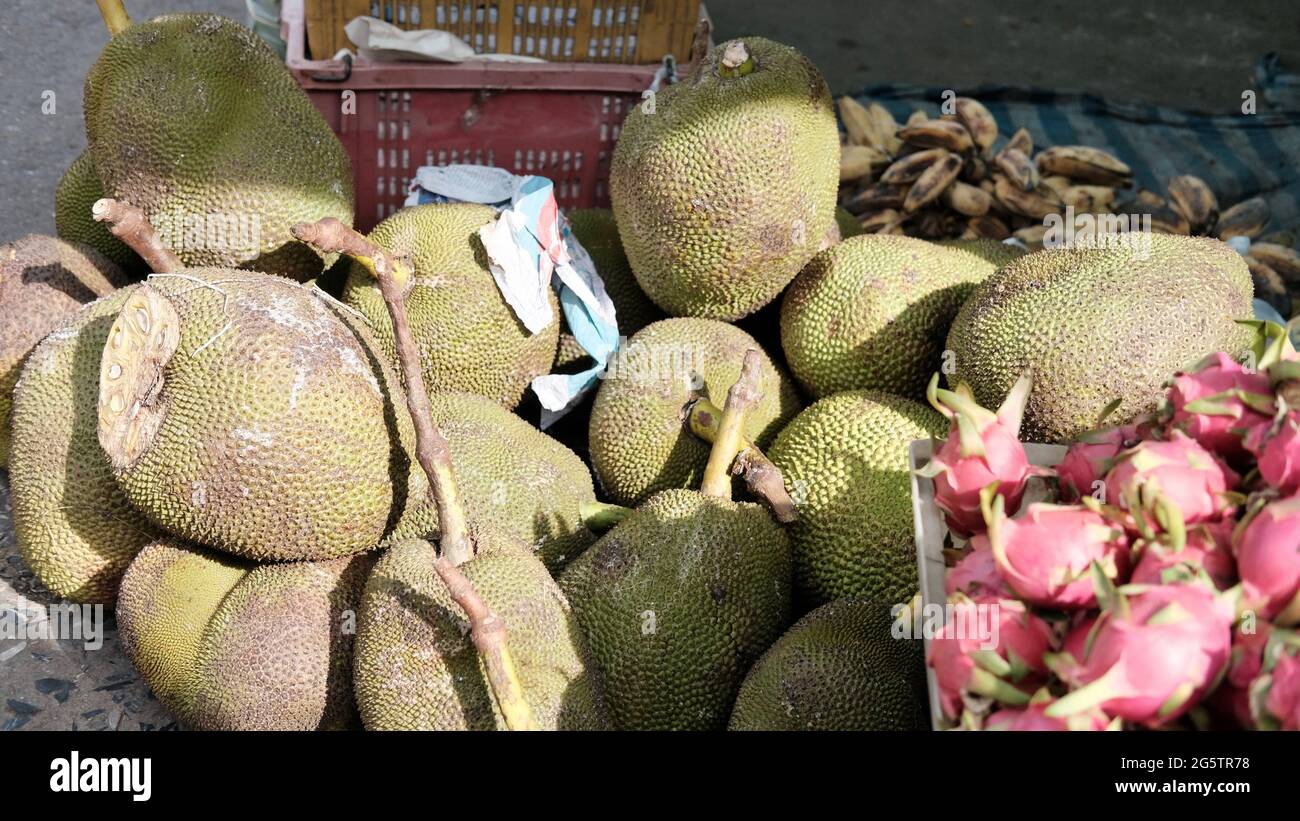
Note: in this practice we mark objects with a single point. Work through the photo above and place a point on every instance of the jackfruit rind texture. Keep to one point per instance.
(192, 118)
(872, 313)
(844, 460)
(1096, 325)
(596, 230)
(638, 439)
(677, 601)
(274, 433)
(229, 645)
(78, 190)
(725, 187)
(514, 476)
(416, 666)
(468, 335)
(74, 526)
(837, 668)
(43, 282)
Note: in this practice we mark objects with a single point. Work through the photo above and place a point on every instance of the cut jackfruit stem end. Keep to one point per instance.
(730, 438)
(129, 224)
(736, 60)
(599, 517)
(763, 478)
(487, 631)
(140, 344)
(114, 14)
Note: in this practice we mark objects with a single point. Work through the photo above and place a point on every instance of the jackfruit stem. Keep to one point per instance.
(742, 396)
(431, 448)
(763, 478)
(115, 16)
(434, 455)
(599, 517)
(736, 60)
(129, 224)
(488, 633)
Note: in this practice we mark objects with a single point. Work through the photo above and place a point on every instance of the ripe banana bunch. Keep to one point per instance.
(939, 178)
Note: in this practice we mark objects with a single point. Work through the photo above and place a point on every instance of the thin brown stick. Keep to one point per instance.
(431, 448)
(129, 224)
(434, 456)
(740, 399)
(488, 633)
(763, 478)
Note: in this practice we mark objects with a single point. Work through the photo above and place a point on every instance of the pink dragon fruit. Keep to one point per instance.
(1046, 556)
(1168, 485)
(1232, 699)
(1206, 555)
(1267, 546)
(1089, 458)
(1217, 401)
(1008, 655)
(1275, 694)
(1034, 718)
(1276, 446)
(982, 449)
(976, 573)
(1155, 654)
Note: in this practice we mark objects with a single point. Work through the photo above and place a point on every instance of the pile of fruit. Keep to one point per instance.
(295, 459)
(1162, 586)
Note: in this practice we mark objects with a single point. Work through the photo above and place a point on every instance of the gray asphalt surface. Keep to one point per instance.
(1194, 54)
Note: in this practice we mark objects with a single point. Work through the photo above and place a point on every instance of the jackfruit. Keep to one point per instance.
(516, 477)
(43, 283)
(837, 668)
(638, 442)
(192, 118)
(1097, 325)
(74, 527)
(844, 460)
(468, 335)
(595, 229)
(229, 645)
(872, 312)
(416, 667)
(248, 413)
(847, 223)
(724, 185)
(79, 189)
(677, 601)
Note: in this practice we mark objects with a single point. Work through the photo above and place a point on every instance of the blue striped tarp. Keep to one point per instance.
(1238, 155)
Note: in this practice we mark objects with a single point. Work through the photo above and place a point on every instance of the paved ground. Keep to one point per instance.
(1199, 56)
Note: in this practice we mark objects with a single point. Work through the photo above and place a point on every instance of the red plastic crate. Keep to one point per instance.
(557, 120)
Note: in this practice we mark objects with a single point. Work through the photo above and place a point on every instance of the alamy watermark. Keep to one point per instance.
(658, 363)
(237, 235)
(65, 621)
(1073, 230)
(971, 621)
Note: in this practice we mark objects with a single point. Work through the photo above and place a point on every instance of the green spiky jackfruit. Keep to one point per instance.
(192, 118)
(78, 190)
(468, 335)
(638, 439)
(595, 229)
(262, 424)
(844, 460)
(229, 645)
(724, 185)
(677, 601)
(516, 477)
(872, 312)
(837, 668)
(1096, 325)
(75, 528)
(43, 283)
(417, 668)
